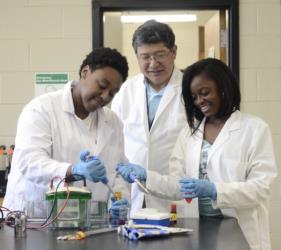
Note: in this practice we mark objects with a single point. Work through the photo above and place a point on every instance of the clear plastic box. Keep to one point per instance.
(75, 214)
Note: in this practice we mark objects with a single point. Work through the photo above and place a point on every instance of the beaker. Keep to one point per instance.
(98, 213)
(122, 216)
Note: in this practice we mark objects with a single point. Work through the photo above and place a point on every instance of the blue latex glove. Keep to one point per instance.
(193, 188)
(125, 169)
(93, 169)
(119, 209)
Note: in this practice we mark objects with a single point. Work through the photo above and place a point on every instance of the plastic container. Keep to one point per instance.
(75, 214)
(150, 216)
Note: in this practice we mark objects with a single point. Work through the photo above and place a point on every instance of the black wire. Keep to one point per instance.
(82, 177)
(2, 216)
(71, 178)
(10, 221)
(2, 213)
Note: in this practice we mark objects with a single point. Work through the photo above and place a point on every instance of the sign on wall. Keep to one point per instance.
(48, 82)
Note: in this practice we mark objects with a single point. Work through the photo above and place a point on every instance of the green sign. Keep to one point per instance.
(51, 78)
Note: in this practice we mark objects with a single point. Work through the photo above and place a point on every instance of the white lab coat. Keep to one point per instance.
(242, 165)
(150, 148)
(49, 139)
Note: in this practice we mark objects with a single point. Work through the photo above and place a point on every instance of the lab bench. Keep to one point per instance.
(208, 234)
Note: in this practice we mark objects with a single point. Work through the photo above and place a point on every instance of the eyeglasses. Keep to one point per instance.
(158, 56)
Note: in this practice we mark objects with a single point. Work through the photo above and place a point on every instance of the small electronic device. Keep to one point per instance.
(73, 213)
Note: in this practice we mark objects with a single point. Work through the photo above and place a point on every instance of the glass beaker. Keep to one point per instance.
(98, 213)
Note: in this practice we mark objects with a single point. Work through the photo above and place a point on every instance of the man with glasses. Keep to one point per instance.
(151, 109)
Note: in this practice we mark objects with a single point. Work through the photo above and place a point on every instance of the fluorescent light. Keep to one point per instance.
(159, 18)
